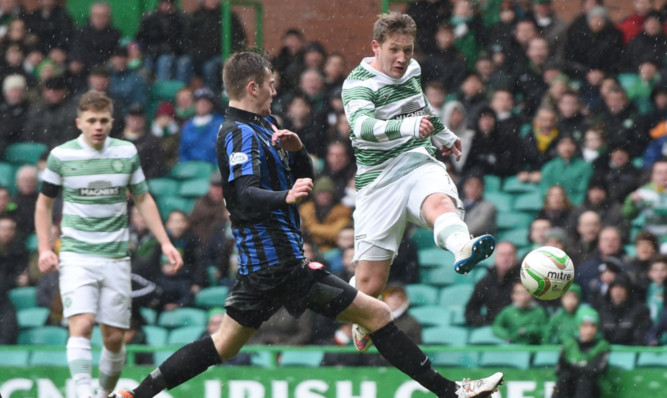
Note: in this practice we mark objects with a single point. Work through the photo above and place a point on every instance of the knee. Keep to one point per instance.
(371, 284)
(113, 340)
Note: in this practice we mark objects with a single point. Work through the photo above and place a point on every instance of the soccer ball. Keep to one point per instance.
(547, 272)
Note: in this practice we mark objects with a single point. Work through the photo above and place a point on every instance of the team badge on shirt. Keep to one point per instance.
(237, 158)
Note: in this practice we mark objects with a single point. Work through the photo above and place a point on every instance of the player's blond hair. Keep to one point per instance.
(95, 101)
(391, 23)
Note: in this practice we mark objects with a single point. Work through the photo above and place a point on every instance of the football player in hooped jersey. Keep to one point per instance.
(394, 136)
(266, 172)
(93, 172)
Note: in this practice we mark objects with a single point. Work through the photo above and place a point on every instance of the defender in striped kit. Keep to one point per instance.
(94, 173)
(395, 135)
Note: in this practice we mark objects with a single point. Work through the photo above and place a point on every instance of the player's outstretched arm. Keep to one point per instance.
(48, 260)
(148, 209)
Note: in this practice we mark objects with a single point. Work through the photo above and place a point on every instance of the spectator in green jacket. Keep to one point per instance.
(568, 170)
(650, 201)
(563, 323)
(523, 321)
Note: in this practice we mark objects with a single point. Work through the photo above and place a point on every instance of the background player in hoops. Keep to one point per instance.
(266, 172)
(93, 171)
(398, 180)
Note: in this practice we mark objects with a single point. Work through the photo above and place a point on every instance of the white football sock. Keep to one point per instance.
(111, 365)
(450, 232)
(80, 360)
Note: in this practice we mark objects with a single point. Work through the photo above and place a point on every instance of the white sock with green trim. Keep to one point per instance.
(450, 232)
(80, 360)
(111, 365)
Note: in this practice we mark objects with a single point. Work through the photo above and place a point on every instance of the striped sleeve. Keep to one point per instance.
(242, 150)
(53, 171)
(138, 184)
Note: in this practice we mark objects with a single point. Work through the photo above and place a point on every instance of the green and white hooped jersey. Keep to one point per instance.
(95, 220)
(384, 115)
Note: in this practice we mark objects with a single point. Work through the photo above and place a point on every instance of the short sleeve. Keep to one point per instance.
(53, 171)
(242, 151)
(137, 184)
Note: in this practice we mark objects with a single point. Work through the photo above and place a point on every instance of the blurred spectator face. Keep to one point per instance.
(14, 96)
(473, 189)
(395, 299)
(214, 323)
(59, 56)
(520, 296)
(658, 272)
(324, 199)
(647, 70)
(593, 140)
(8, 5)
(348, 255)
(587, 331)
(642, 7)
(568, 105)
(294, 43)
(652, 26)
(166, 7)
(298, 109)
(538, 230)
(595, 78)
(659, 174)
(313, 59)
(608, 84)
(435, 96)
(100, 16)
(555, 198)
(16, 31)
(616, 101)
(538, 51)
(609, 242)
(545, 120)
(619, 158)
(337, 157)
(486, 123)
(342, 125)
(14, 56)
(502, 102)
(53, 96)
(311, 82)
(645, 250)
(48, 4)
(660, 100)
(505, 258)
(98, 83)
(588, 226)
(524, 32)
(618, 294)
(184, 99)
(7, 230)
(210, 4)
(462, 9)
(607, 276)
(135, 123)
(455, 119)
(203, 107)
(393, 56)
(566, 148)
(345, 238)
(444, 38)
(596, 195)
(138, 221)
(555, 242)
(472, 86)
(26, 181)
(596, 23)
(484, 67)
(334, 67)
(118, 62)
(542, 10)
(570, 302)
(177, 224)
(507, 13)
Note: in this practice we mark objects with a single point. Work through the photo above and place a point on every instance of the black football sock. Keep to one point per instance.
(397, 348)
(186, 363)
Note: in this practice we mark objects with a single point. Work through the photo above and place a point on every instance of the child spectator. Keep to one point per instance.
(593, 145)
(184, 105)
(583, 360)
(523, 321)
(563, 324)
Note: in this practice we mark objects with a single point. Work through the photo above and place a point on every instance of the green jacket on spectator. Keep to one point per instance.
(520, 326)
(573, 176)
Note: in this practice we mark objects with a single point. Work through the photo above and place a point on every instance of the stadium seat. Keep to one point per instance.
(458, 316)
(545, 359)
(529, 202)
(423, 238)
(155, 335)
(31, 243)
(185, 335)
(14, 358)
(149, 314)
(46, 335)
(484, 336)
(435, 257)
(191, 169)
(194, 188)
(421, 294)
(456, 296)
(161, 356)
(301, 358)
(182, 317)
(513, 185)
(263, 359)
(442, 276)
(165, 90)
(502, 200)
(465, 359)
(32, 317)
(22, 153)
(23, 297)
(450, 335)
(623, 360)
(492, 183)
(431, 315)
(7, 174)
(163, 187)
(211, 297)
(513, 219)
(518, 236)
(652, 360)
(630, 250)
(517, 360)
(48, 358)
(171, 203)
(96, 339)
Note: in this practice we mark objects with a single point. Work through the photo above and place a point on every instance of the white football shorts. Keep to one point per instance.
(96, 285)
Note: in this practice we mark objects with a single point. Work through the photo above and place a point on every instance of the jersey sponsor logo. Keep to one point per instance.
(360, 237)
(237, 158)
(419, 112)
(111, 191)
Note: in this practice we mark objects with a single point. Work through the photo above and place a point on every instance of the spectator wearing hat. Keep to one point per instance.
(624, 319)
(598, 288)
(127, 87)
(583, 359)
(13, 110)
(161, 35)
(567, 170)
(444, 63)
(324, 216)
(50, 121)
(480, 214)
(148, 146)
(168, 129)
(617, 172)
(95, 43)
(199, 133)
(610, 244)
(650, 43)
(563, 323)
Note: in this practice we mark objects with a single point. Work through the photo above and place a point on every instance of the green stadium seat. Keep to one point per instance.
(7, 174)
(529, 202)
(191, 169)
(161, 356)
(211, 297)
(185, 335)
(96, 339)
(431, 315)
(480, 272)
(48, 358)
(435, 257)
(442, 276)
(156, 335)
(31, 242)
(630, 250)
(456, 295)
(450, 335)
(513, 219)
(627, 79)
(513, 185)
(517, 360)
(182, 317)
(623, 360)
(171, 203)
(163, 187)
(502, 200)
(545, 359)
(423, 238)
(194, 188)
(464, 359)
(421, 294)
(46, 335)
(165, 90)
(14, 358)
(22, 153)
(518, 236)
(652, 360)
(23, 297)
(458, 316)
(492, 183)
(301, 358)
(263, 359)
(484, 336)
(149, 314)
(32, 317)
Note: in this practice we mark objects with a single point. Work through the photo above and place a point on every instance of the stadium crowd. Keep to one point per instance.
(569, 119)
